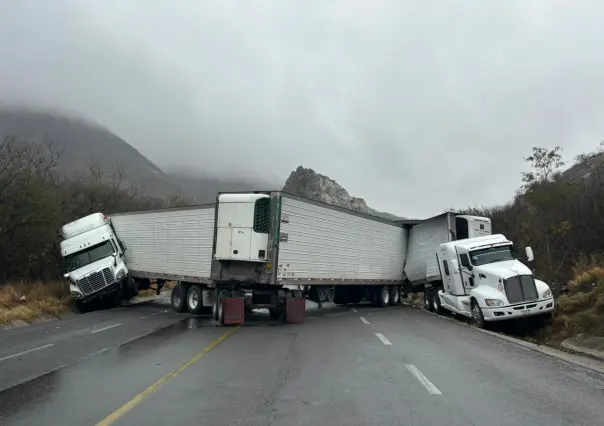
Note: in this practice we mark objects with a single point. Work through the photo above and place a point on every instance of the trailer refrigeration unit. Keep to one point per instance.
(249, 250)
(460, 267)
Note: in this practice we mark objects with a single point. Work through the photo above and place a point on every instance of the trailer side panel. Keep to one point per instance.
(421, 266)
(321, 244)
(168, 243)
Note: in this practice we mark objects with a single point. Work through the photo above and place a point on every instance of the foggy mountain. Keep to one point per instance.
(83, 143)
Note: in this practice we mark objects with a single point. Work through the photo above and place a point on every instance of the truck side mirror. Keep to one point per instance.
(123, 244)
(66, 275)
(114, 259)
(529, 254)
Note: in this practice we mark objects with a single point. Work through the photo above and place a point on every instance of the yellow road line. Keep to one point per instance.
(117, 414)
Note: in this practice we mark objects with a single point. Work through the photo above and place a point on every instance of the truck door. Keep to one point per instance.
(465, 268)
(446, 273)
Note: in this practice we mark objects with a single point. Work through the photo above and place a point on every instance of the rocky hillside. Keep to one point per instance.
(586, 167)
(310, 184)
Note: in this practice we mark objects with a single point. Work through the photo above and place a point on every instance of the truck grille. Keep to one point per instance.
(95, 281)
(520, 289)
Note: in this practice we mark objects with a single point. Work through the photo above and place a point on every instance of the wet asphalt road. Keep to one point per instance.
(344, 366)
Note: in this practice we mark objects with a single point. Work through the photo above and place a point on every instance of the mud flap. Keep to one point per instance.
(233, 310)
(295, 310)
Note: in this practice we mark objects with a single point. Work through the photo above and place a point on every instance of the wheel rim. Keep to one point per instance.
(193, 300)
(476, 315)
(385, 295)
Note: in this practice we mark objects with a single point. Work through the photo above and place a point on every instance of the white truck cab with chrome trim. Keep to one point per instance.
(483, 280)
(92, 259)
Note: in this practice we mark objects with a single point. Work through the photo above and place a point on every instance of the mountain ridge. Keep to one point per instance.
(85, 141)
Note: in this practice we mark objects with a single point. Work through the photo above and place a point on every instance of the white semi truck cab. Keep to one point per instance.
(93, 259)
(483, 279)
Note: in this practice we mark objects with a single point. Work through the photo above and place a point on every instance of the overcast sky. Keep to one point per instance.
(416, 106)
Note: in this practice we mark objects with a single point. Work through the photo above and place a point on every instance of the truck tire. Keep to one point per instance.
(223, 294)
(195, 299)
(428, 301)
(82, 307)
(382, 296)
(436, 301)
(477, 316)
(178, 298)
(395, 295)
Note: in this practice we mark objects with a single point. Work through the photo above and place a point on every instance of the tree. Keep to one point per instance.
(545, 163)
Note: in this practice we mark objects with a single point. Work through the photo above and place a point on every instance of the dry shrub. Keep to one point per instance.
(581, 311)
(30, 301)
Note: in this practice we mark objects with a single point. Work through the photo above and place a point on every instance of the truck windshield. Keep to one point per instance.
(89, 255)
(492, 254)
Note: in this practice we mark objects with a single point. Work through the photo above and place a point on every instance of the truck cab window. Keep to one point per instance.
(465, 260)
(89, 255)
(492, 254)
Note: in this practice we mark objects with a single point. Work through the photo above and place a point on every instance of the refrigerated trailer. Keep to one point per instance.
(265, 249)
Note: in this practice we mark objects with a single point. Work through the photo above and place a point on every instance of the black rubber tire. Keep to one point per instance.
(477, 316)
(82, 307)
(437, 305)
(382, 296)
(114, 299)
(194, 294)
(395, 296)
(178, 298)
(223, 294)
(428, 300)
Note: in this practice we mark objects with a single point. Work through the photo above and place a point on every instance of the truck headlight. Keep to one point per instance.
(546, 294)
(493, 302)
(120, 275)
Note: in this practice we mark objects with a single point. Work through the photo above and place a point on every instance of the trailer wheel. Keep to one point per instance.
(395, 295)
(223, 294)
(383, 296)
(178, 298)
(195, 299)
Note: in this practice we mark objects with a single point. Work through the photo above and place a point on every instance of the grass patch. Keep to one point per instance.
(30, 301)
(581, 310)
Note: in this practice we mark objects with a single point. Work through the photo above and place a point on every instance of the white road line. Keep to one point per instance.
(365, 321)
(26, 352)
(105, 328)
(423, 379)
(383, 339)
(354, 310)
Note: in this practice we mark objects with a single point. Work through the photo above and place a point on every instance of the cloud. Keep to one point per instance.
(416, 106)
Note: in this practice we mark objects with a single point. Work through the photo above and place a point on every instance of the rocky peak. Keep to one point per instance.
(310, 184)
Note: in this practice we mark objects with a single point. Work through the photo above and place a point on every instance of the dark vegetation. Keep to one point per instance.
(560, 214)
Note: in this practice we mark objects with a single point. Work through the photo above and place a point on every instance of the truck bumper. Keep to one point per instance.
(108, 290)
(502, 313)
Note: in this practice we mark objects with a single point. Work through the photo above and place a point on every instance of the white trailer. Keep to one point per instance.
(338, 255)
(173, 244)
(259, 250)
